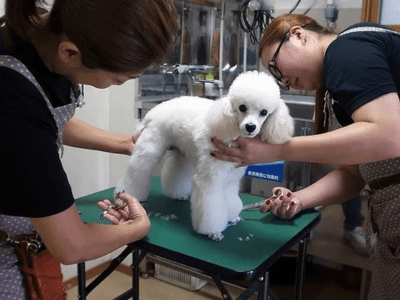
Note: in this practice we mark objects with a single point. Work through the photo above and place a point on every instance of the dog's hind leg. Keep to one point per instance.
(176, 175)
(148, 152)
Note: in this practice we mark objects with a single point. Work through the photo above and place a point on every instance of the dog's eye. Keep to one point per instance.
(242, 108)
(263, 113)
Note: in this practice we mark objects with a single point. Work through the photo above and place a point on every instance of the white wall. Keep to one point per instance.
(122, 120)
(89, 171)
(390, 14)
(92, 171)
(109, 109)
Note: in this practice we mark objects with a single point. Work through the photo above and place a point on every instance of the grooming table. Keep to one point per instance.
(243, 257)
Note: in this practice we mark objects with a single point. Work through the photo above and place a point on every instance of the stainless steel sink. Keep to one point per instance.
(300, 107)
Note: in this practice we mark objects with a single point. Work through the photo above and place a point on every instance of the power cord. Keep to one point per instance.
(294, 7)
(260, 21)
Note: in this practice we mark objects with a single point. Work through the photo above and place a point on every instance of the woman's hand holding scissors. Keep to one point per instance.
(284, 206)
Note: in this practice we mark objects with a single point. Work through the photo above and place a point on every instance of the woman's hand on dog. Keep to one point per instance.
(125, 215)
(283, 206)
(131, 141)
(247, 151)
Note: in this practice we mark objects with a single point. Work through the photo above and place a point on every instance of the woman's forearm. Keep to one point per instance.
(336, 187)
(103, 239)
(72, 241)
(82, 135)
(374, 136)
(361, 142)
(358, 143)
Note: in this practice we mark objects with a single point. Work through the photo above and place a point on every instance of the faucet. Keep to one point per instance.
(190, 72)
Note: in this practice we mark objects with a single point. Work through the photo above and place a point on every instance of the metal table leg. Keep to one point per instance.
(263, 287)
(249, 291)
(135, 273)
(300, 268)
(137, 257)
(224, 292)
(81, 281)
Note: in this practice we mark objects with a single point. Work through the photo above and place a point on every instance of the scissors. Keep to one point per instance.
(255, 205)
(119, 204)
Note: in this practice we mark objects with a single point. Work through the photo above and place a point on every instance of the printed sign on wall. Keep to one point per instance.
(272, 171)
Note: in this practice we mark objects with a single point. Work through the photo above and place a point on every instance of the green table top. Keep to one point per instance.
(246, 246)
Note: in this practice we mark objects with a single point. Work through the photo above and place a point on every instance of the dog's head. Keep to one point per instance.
(256, 104)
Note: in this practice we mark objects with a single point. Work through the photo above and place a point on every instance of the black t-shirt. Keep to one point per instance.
(359, 67)
(32, 180)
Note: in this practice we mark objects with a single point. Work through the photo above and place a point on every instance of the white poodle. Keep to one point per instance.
(253, 106)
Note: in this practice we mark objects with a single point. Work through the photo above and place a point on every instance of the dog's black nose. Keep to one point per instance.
(250, 127)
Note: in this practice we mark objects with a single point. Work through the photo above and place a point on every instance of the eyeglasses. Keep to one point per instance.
(274, 69)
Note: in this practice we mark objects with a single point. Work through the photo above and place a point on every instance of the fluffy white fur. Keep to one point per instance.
(253, 106)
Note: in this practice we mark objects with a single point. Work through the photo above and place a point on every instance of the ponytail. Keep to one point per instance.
(21, 19)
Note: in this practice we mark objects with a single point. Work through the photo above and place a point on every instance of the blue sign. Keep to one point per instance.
(272, 171)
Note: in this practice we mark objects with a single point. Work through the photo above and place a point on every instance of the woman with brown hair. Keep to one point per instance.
(43, 59)
(360, 71)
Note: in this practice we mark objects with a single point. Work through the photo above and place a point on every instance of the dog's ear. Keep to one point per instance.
(279, 126)
(223, 120)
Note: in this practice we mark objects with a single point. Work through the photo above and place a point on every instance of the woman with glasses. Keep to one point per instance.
(360, 71)
(44, 59)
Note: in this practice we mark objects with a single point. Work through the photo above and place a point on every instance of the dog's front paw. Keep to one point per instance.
(216, 236)
(235, 221)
